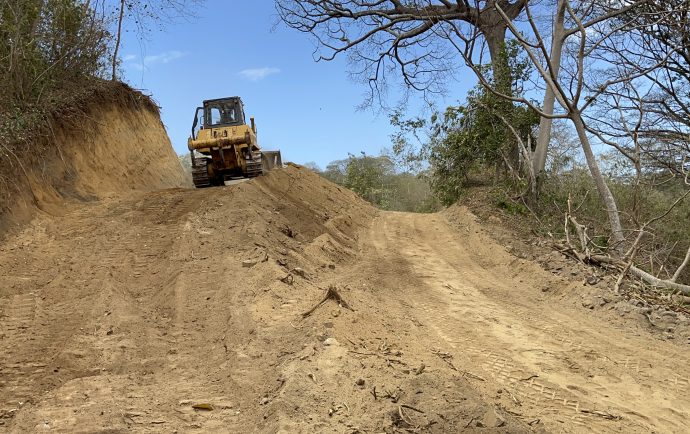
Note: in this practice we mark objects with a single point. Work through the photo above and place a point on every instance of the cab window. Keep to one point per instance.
(215, 116)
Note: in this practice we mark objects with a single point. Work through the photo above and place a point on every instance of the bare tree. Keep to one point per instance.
(647, 119)
(653, 109)
(118, 38)
(585, 26)
(571, 60)
(144, 14)
(388, 36)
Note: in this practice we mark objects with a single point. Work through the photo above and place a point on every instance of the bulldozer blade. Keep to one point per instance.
(271, 160)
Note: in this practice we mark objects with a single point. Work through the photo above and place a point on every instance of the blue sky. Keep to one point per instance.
(306, 109)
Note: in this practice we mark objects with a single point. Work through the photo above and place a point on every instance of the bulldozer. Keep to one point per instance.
(223, 147)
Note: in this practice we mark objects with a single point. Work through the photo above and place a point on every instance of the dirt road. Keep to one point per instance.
(182, 310)
(558, 364)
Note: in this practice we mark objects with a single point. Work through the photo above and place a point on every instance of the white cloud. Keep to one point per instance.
(154, 59)
(165, 57)
(257, 74)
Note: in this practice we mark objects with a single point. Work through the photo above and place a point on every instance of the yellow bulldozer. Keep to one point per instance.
(223, 147)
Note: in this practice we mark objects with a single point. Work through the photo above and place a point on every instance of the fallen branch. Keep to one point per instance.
(617, 263)
(331, 294)
(602, 414)
(630, 256)
(412, 408)
(655, 281)
(681, 267)
(445, 357)
(581, 234)
(402, 416)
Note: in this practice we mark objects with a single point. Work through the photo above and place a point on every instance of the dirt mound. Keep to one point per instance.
(184, 309)
(113, 143)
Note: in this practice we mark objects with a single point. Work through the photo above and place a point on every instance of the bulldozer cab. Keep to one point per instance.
(221, 112)
(224, 112)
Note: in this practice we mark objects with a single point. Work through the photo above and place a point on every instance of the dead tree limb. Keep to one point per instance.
(681, 267)
(331, 294)
(655, 281)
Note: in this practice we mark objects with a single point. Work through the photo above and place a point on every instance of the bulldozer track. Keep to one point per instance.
(254, 164)
(200, 173)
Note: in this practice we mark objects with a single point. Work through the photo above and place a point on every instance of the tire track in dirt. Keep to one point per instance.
(60, 329)
(17, 372)
(573, 373)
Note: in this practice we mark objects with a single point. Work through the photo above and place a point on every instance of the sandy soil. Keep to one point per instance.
(114, 151)
(182, 311)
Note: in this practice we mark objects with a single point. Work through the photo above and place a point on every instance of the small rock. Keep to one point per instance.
(264, 400)
(593, 280)
(248, 263)
(587, 304)
(493, 420)
(330, 342)
(360, 382)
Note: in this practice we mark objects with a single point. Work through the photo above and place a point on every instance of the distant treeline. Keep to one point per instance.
(379, 181)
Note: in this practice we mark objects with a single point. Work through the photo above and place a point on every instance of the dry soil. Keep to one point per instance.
(182, 310)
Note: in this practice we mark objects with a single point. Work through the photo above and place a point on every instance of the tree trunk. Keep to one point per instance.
(602, 188)
(118, 38)
(540, 152)
(495, 34)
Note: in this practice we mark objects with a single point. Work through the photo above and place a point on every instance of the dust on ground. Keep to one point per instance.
(181, 310)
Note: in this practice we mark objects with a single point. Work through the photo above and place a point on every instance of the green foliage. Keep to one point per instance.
(510, 206)
(377, 180)
(50, 51)
(368, 176)
(470, 139)
(47, 45)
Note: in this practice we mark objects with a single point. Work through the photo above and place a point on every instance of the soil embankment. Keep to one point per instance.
(114, 143)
